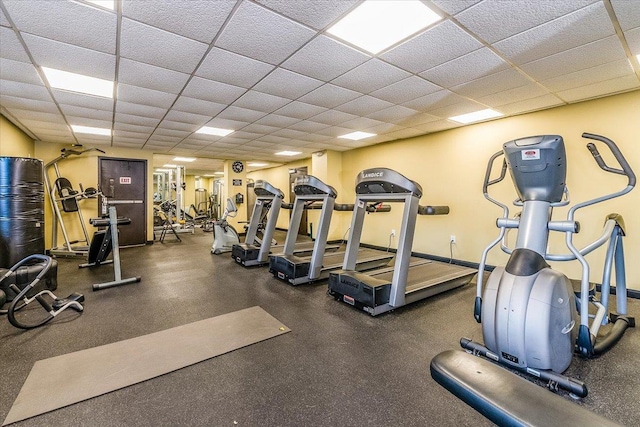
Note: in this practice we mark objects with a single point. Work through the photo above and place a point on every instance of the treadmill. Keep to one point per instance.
(298, 270)
(253, 251)
(409, 279)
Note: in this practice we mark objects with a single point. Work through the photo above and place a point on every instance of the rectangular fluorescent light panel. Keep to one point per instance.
(356, 136)
(214, 131)
(91, 130)
(288, 153)
(378, 24)
(256, 165)
(169, 166)
(78, 83)
(184, 159)
(476, 116)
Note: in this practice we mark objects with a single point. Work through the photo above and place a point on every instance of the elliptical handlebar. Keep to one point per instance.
(626, 169)
(487, 181)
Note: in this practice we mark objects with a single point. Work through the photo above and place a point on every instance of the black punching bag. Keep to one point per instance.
(21, 209)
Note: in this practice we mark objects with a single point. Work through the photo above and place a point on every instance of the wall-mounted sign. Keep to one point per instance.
(125, 180)
(237, 182)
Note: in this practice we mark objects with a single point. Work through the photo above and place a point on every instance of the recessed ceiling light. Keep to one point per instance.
(377, 24)
(184, 159)
(169, 166)
(257, 165)
(476, 116)
(208, 130)
(91, 130)
(78, 83)
(288, 153)
(107, 4)
(218, 173)
(357, 135)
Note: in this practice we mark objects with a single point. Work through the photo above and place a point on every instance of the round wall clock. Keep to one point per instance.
(237, 166)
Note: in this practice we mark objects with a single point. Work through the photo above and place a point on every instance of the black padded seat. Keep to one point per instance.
(505, 398)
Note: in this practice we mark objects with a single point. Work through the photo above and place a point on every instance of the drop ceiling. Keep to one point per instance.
(269, 70)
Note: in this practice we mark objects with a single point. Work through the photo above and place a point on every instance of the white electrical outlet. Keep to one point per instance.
(452, 239)
(393, 233)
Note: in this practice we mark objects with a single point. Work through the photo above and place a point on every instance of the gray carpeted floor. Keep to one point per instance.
(338, 366)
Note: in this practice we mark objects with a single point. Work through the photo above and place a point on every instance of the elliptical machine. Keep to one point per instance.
(531, 319)
(224, 235)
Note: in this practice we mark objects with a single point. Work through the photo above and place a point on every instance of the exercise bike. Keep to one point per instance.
(532, 320)
(224, 235)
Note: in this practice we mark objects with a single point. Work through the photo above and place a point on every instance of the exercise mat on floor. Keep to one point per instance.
(71, 378)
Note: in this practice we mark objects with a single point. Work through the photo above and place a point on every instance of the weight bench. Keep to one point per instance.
(505, 398)
(103, 242)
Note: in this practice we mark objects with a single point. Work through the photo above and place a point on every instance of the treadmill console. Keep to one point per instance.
(264, 189)
(309, 185)
(385, 181)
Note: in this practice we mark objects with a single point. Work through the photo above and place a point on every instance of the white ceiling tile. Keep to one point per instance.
(417, 120)
(509, 96)
(120, 134)
(333, 117)
(198, 106)
(245, 135)
(174, 125)
(3, 20)
(324, 59)
(386, 128)
(199, 21)
(241, 114)
(330, 96)
(179, 134)
(312, 137)
(434, 100)
(487, 18)
(372, 75)
(272, 37)
(438, 126)
(259, 129)
(133, 128)
(24, 90)
(209, 90)
(134, 109)
(603, 88)
(141, 95)
(425, 51)
(361, 123)
(22, 114)
(134, 144)
(315, 13)
(151, 77)
(453, 7)
(273, 139)
(195, 119)
(233, 69)
(85, 121)
(28, 104)
(66, 57)
(364, 105)
(259, 101)
(589, 76)
(627, 12)
(91, 113)
(224, 123)
(17, 71)
(48, 126)
(633, 39)
(289, 133)
(277, 120)
(532, 104)
(580, 27)
(82, 100)
(406, 90)
(479, 63)
(58, 139)
(497, 82)
(579, 58)
(151, 45)
(67, 22)
(287, 84)
(11, 48)
(334, 131)
(308, 126)
(136, 120)
(393, 114)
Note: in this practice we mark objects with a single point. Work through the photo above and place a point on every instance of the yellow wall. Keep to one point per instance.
(84, 170)
(14, 142)
(450, 167)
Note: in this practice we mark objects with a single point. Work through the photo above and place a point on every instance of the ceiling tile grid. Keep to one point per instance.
(270, 71)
